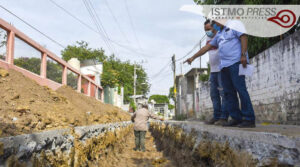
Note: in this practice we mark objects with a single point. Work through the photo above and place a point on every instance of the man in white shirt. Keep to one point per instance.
(216, 90)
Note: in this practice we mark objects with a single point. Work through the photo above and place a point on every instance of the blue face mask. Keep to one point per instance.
(209, 33)
(216, 27)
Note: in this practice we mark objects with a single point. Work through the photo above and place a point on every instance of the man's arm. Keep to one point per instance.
(153, 116)
(201, 52)
(244, 43)
(133, 117)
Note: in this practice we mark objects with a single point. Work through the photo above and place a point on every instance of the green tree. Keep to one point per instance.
(170, 106)
(258, 44)
(132, 105)
(120, 74)
(81, 51)
(171, 94)
(54, 71)
(116, 73)
(3, 37)
(33, 64)
(159, 99)
(205, 77)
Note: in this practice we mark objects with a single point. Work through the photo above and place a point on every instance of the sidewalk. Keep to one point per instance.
(265, 143)
(287, 130)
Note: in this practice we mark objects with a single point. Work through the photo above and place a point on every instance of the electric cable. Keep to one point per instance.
(36, 29)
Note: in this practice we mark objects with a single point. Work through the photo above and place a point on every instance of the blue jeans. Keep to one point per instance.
(217, 96)
(233, 84)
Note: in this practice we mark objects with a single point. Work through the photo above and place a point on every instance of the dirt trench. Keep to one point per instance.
(183, 149)
(125, 156)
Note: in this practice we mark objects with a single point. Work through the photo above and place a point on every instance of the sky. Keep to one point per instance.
(151, 30)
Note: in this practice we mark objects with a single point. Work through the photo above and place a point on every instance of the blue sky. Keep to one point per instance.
(162, 30)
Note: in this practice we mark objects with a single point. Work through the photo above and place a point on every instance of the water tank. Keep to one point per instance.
(75, 63)
(89, 62)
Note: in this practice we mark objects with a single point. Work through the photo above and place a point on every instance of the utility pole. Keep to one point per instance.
(174, 71)
(181, 71)
(134, 84)
(200, 56)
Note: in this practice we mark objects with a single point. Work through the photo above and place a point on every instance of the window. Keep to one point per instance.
(161, 110)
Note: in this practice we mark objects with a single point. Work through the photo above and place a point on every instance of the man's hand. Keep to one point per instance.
(244, 43)
(189, 60)
(244, 61)
(201, 52)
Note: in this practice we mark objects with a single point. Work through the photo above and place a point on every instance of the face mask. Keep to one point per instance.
(218, 28)
(209, 33)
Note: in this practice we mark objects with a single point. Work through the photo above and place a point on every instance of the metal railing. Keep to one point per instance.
(42, 79)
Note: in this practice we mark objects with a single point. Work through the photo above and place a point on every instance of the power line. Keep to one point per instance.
(191, 50)
(169, 63)
(99, 27)
(196, 46)
(161, 70)
(132, 25)
(95, 31)
(36, 29)
(101, 24)
(116, 20)
(163, 76)
(100, 31)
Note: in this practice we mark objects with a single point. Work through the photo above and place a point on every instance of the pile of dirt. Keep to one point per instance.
(27, 107)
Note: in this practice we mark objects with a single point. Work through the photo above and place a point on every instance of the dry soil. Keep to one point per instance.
(127, 157)
(27, 107)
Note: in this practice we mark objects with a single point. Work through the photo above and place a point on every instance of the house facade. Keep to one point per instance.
(187, 98)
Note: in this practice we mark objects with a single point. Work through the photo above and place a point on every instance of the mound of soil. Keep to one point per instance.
(27, 107)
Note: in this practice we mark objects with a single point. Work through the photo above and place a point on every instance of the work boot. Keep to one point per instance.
(211, 121)
(221, 122)
(136, 149)
(232, 123)
(247, 124)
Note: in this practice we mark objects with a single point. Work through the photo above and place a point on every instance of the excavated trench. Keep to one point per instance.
(194, 144)
(183, 148)
(171, 144)
(80, 146)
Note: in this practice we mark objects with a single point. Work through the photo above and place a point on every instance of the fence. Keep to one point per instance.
(7, 62)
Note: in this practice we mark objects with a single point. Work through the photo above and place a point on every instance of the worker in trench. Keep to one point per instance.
(140, 119)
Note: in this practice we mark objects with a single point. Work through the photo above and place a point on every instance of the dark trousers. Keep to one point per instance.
(233, 84)
(217, 96)
(140, 139)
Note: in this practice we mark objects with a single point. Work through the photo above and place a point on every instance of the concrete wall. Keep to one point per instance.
(184, 96)
(205, 103)
(274, 87)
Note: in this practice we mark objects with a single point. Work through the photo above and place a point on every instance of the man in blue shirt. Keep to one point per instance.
(232, 47)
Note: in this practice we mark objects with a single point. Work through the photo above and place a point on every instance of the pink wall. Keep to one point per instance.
(41, 79)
